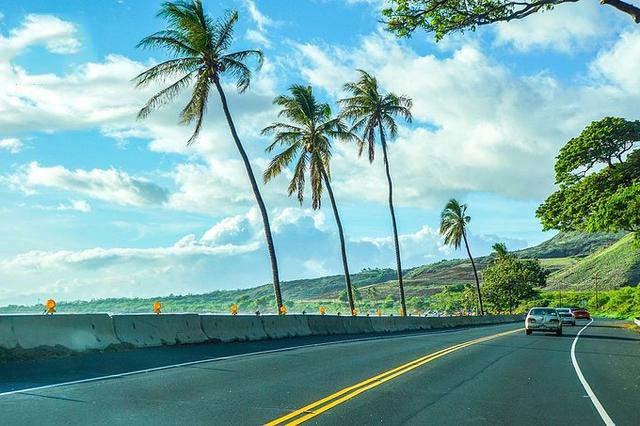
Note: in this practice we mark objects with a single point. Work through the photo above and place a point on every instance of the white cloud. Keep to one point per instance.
(260, 19)
(565, 28)
(76, 205)
(478, 126)
(57, 35)
(258, 35)
(621, 64)
(13, 145)
(109, 185)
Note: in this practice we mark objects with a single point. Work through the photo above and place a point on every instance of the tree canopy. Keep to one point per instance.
(509, 280)
(442, 17)
(599, 177)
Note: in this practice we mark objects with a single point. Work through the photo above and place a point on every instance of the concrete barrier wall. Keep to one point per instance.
(159, 330)
(98, 331)
(279, 326)
(232, 328)
(75, 332)
(326, 325)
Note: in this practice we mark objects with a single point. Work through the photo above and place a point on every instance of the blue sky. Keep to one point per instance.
(97, 204)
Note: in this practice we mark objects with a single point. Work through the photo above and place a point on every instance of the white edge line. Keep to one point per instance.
(596, 403)
(222, 358)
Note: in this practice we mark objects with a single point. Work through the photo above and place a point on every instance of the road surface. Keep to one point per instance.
(483, 375)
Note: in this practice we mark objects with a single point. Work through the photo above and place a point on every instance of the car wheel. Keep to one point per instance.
(528, 332)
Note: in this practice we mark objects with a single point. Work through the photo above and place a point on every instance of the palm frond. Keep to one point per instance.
(164, 96)
(172, 40)
(223, 31)
(280, 162)
(166, 70)
(197, 105)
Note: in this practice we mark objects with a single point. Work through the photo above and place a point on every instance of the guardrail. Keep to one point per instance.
(637, 321)
(81, 332)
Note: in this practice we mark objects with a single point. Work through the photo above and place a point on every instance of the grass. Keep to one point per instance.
(617, 265)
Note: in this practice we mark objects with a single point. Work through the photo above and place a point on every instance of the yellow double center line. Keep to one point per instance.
(315, 408)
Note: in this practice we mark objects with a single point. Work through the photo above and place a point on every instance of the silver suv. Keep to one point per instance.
(543, 319)
(566, 316)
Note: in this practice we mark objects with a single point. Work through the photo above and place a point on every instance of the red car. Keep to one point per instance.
(581, 313)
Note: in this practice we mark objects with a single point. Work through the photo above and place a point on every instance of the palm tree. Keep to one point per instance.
(371, 111)
(306, 140)
(200, 57)
(453, 228)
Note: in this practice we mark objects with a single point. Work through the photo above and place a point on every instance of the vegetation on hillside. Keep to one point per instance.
(616, 266)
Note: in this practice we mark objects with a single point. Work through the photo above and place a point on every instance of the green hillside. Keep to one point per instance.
(617, 265)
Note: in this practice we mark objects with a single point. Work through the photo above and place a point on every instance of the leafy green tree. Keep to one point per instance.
(508, 281)
(470, 298)
(599, 177)
(306, 140)
(442, 17)
(453, 229)
(500, 250)
(372, 111)
(200, 58)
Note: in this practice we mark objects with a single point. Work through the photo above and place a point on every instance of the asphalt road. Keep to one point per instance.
(453, 377)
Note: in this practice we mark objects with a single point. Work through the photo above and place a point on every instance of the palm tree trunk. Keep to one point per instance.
(343, 250)
(393, 221)
(475, 272)
(256, 193)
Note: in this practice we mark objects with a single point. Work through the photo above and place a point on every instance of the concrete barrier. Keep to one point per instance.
(76, 332)
(97, 331)
(325, 325)
(232, 328)
(279, 326)
(357, 325)
(409, 323)
(158, 330)
(382, 325)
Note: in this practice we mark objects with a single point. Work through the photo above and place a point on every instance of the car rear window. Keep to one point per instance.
(543, 312)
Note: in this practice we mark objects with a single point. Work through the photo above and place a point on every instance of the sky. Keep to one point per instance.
(95, 203)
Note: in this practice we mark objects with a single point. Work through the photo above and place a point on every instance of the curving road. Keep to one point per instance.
(483, 375)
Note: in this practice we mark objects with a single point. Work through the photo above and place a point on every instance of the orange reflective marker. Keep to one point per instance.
(50, 307)
(283, 310)
(323, 310)
(234, 309)
(354, 312)
(378, 312)
(157, 307)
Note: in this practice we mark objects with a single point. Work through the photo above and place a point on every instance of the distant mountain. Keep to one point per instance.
(617, 265)
(570, 244)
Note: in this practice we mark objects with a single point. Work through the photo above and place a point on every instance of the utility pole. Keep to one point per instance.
(560, 292)
(595, 278)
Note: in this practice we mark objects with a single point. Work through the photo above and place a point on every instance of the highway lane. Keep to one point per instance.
(512, 378)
